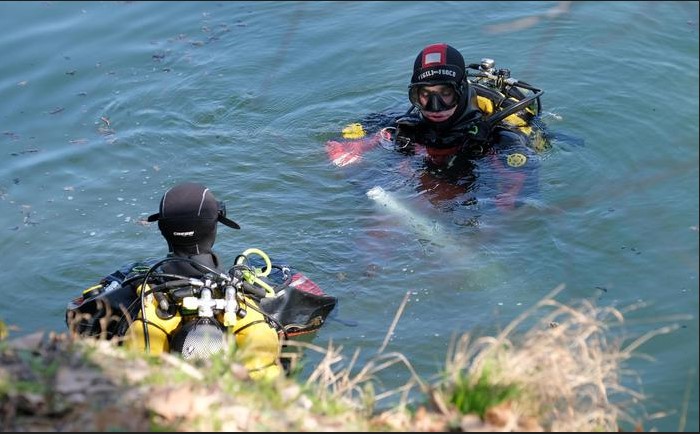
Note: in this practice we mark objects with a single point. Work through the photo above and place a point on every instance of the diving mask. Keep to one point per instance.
(433, 97)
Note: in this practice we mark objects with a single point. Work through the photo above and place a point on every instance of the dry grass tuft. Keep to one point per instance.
(565, 367)
(333, 379)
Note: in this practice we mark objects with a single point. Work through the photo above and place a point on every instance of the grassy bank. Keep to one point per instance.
(555, 368)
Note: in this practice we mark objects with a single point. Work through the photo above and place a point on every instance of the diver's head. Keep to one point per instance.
(438, 86)
(187, 218)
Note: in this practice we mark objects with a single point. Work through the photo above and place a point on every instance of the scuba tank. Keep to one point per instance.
(248, 308)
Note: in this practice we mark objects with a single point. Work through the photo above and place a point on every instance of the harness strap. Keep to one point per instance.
(250, 324)
(442, 152)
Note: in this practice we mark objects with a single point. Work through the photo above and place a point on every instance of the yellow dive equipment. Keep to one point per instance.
(159, 329)
(257, 342)
(354, 131)
(254, 276)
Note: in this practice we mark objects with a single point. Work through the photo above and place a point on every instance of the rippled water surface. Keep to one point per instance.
(107, 104)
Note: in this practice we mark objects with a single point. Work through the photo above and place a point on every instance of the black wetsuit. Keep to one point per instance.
(464, 149)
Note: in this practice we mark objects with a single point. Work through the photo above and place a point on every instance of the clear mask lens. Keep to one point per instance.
(438, 99)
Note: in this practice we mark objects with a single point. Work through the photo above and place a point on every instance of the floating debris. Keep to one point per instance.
(26, 151)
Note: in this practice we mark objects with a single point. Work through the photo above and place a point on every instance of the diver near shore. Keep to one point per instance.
(188, 303)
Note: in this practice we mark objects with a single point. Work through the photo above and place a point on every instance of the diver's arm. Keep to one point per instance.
(360, 137)
(404, 137)
(347, 152)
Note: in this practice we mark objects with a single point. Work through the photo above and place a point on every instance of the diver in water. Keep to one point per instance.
(450, 124)
(187, 218)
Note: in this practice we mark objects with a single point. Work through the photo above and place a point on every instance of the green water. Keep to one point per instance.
(107, 104)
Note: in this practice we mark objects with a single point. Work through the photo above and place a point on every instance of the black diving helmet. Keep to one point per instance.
(188, 216)
(440, 67)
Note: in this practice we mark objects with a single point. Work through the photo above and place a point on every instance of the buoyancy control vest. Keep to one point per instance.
(260, 320)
